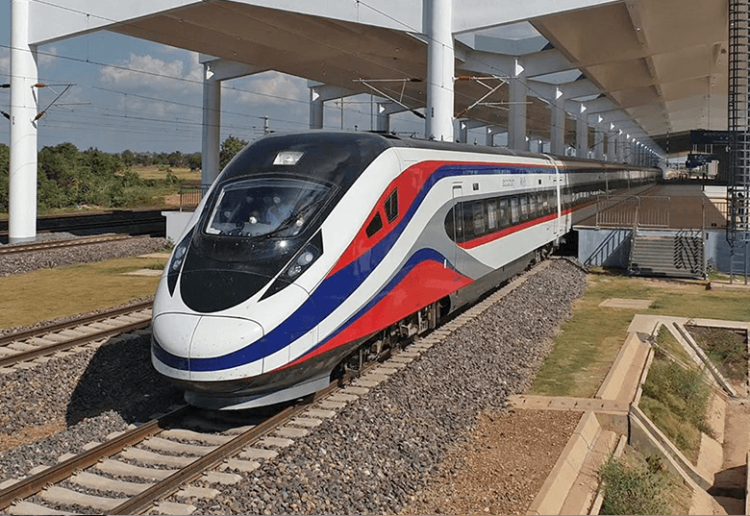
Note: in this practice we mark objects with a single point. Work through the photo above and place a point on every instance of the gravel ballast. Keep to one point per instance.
(378, 452)
(92, 392)
(31, 261)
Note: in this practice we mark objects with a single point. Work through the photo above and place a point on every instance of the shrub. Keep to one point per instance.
(633, 489)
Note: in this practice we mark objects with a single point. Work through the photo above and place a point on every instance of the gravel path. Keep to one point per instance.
(91, 393)
(27, 262)
(380, 451)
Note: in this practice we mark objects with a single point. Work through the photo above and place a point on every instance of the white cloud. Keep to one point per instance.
(152, 73)
(47, 57)
(4, 61)
(269, 88)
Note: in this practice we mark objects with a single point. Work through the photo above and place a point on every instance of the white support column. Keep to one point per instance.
(316, 110)
(557, 131)
(582, 136)
(210, 151)
(440, 70)
(612, 146)
(24, 107)
(621, 140)
(383, 118)
(491, 132)
(464, 126)
(517, 116)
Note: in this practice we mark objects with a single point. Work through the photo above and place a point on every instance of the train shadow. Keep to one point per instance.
(120, 378)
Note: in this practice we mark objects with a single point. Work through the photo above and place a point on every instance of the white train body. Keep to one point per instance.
(309, 245)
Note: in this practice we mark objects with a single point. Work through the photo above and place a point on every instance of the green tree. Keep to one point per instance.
(194, 161)
(231, 146)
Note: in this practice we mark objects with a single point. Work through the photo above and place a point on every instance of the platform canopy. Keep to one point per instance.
(649, 67)
(607, 76)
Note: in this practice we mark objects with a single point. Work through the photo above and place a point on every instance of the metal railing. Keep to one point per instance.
(632, 211)
(191, 196)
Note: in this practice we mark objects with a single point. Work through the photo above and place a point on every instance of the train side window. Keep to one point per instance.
(375, 225)
(478, 218)
(468, 221)
(504, 213)
(524, 201)
(515, 212)
(492, 215)
(391, 206)
(532, 206)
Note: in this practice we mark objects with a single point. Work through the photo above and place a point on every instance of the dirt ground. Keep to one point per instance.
(503, 467)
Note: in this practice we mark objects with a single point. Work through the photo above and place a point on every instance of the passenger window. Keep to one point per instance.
(532, 206)
(478, 215)
(515, 213)
(375, 225)
(492, 215)
(504, 213)
(391, 206)
(468, 221)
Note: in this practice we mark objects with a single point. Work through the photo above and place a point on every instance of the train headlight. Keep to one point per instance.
(299, 264)
(178, 258)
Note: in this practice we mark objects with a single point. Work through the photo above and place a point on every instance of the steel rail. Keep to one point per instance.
(145, 500)
(34, 484)
(59, 244)
(62, 346)
(80, 321)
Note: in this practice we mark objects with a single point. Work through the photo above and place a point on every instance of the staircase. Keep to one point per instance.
(739, 266)
(677, 256)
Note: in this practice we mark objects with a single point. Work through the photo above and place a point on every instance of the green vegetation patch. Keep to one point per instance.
(637, 485)
(588, 342)
(53, 293)
(666, 341)
(726, 348)
(677, 400)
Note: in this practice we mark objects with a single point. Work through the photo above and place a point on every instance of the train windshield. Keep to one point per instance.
(270, 207)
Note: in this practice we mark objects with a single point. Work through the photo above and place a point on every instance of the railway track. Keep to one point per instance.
(57, 244)
(171, 451)
(32, 344)
(161, 466)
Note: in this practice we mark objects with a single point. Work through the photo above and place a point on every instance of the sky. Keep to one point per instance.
(113, 105)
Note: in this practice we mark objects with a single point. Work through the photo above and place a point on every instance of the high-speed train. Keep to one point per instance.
(310, 249)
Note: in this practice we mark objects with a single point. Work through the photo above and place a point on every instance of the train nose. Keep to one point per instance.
(198, 343)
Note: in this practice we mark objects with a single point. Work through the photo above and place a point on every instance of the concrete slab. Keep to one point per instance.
(204, 493)
(32, 509)
(319, 413)
(632, 304)
(245, 466)
(305, 422)
(226, 479)
(258, 453)
(176, 509)
(124, 469)
(287, 431)
(357, 391)
(99, 483)
(62, 496)
(332, 405)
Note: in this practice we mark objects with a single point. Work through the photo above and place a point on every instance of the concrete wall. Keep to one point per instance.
(604, 247)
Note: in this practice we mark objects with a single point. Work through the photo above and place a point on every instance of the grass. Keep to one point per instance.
(726, 349)
(665, 340)
(588, 342)
(677, 400)
(635, 484)
(52, 293)
(185, 175)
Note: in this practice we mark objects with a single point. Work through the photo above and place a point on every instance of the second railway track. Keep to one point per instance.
(31, 344)
(59, 244)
